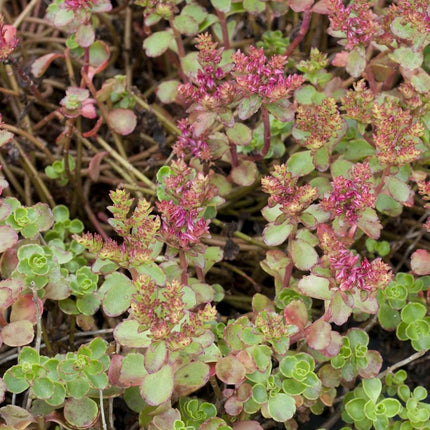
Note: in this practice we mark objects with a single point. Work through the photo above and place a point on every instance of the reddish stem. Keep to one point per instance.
(25, 78)
(287, 275)
(233, 152)
(86, 65)
(178, 39)
(266, 135)
(301, 34)
(385, 173)
(224, 29)
(200, 274)
(184, 266)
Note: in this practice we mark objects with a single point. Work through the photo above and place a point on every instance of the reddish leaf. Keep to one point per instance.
(8, 237)
(5, 137)
(95, 129)
(420, 262)
(16, 417)
(319, 335)
(230, 370)
(245, 173)
(18, 333)
(122, 121)
(94, 167)
(233, 406)
(322, 7)
(300, 5)
(25, 309)
(296, 313)
(39, 66)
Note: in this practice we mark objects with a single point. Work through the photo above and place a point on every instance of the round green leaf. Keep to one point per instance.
(157, 43)
(245, 173)
(167, 91)
(128, 334)
(156, 388)
(303, 254)
(186, 24)
(87, 304)
(412, 312)
(81, 413)
(274, 234)
(78, 387)
(43, 388)
(239, 134)
(85, 35)
(398, 189)
(372, 388)
(155, 356)
(315, 286)
(356, 62)
(119, 290)
(355, 409)
(392, 407)
(281, 407)
(191, 377)
(222, 5)
(301, 163)
(14, 380)
(132, 369)
(407, 57)
(259, 393)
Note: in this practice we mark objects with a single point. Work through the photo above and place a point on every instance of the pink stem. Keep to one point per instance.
(301, 34)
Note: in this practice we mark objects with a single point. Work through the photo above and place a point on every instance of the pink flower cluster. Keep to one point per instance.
(183, 224)
(283, 190)
(322, 122)
(350, 197)
(357, 21)
(351, 274)
(189, 144)
(256, 74)
(209, 91)
(358, 102)
(163, 312)
(348, 271)
(396, 135)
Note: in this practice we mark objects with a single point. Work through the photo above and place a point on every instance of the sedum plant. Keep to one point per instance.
(247, 268)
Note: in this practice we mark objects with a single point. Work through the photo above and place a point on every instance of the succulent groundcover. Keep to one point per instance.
(214, 214)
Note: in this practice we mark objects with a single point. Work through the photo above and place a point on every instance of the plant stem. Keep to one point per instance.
(402, 363)
(301, 34)
(233, 153)
(224, 28)
(267, 135)
(184, 266)
(14, 63)
(102, 411)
